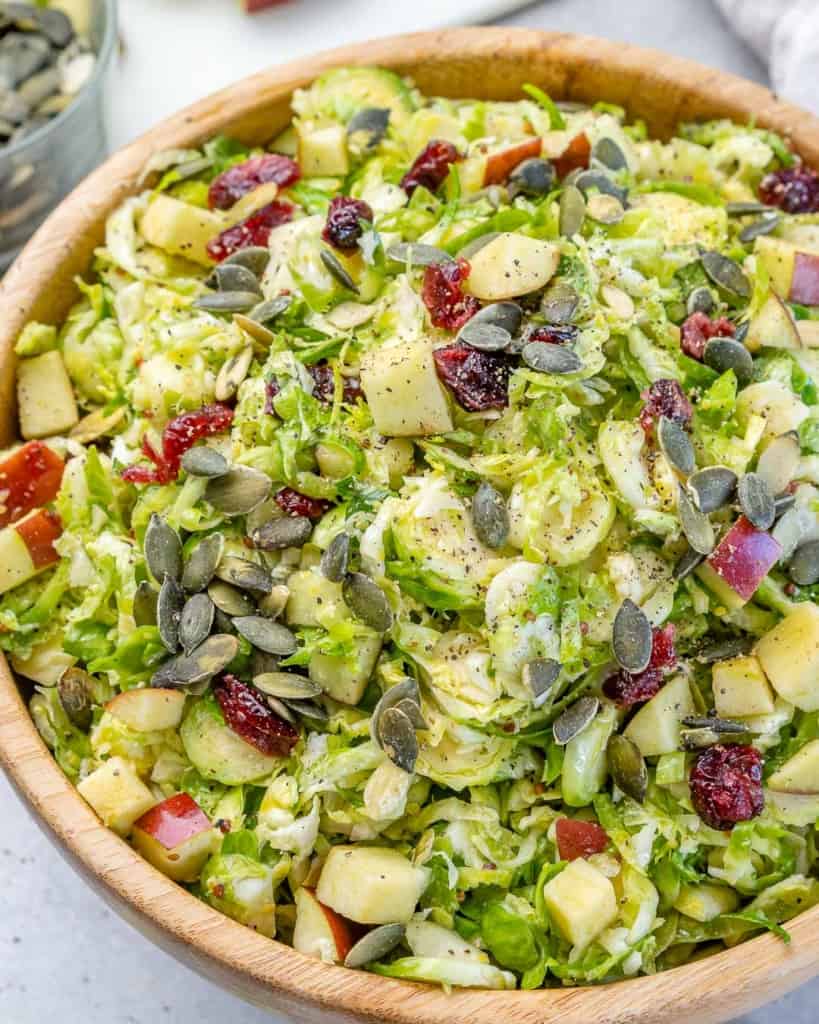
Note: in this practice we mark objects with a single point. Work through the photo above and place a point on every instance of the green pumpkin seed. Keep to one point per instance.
(375, 945)
(687, 563)
(262, 663)
(608, 153)
(202, 562)
(168, 612)
(485, 337)
(226, 302)
(746, 208)
(779, 463)
(335, 268)
(725, 649)
(412, 711)
(676, 446)
(699, 739)
(145, 601)
(700, 300)
(783, 502)
(334, 560)
(559, 303)
(55, 25)
(532, 177)
(469, 250)
(723, 354)
(367, 601)
(574, 720)
(490, 516)
(195, 622)
(627, 767)
(370, 121)
(281, 533)
(255, 258)
(726, 274)
(308, 709)
(266, 312)
(238, 491)
(244, 574)
(631, 637)
(211, 657)
(267, 635)
(204, 461)
(724, 726)
(764, 226)
(229, 600)
(712, 488)
(407, 689)
(233, 277)
(232, 374)
(75, 688)
(286, 685)
(163, 549)
(417, 254)
(588, 181)
(756, 501)
(696, 526)
(572, 211)
(507, 315)
(546, 357)
(397, 738)
(282, 710)
(539, 677)
(803, 568)
(793, 528)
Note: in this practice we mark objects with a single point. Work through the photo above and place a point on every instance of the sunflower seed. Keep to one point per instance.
(244, 574)
(545, 357)
(367, 601)
(168, 612)
(779, 463)
(283, 532)
(490, 516)
(539, 677)
(723, 354)
(608, 153)
(375, 945)
(75, 688)
(469, 250)
(407, 689)
(232, 374)
(417, 254)
(764, 226)
(532, 177)
(700, 300)
(226, 302)
(687, 563)
(756, 501)
(308, 709)
(631, 637)
(726, 274)
(195, 622)
(485, 337)
(698, 529)
(266, 634)
(627, 767)
(163, 549)
(282, 710)
(592, 179)
(371, 121)
(145, 601)
(398, 740)
(210, 657)
(238, 491)
(795, 526)
(699, 739)
(604, 209)
(574, 720)
(559, 303)
(804, 565)
(745, 208)
(334, 560)
(725, 649)
(725, 726)
(254, 258)
(229, 600)
(712, 488)
(204, 461)
(676, 446)
(412, 711)
(336, 270)
(286, 685)
(233, 277)
(202, 562)
(572, 211)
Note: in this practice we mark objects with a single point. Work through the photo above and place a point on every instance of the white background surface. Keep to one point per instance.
(64, 957)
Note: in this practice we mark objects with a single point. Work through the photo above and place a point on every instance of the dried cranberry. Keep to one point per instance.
(576, 838)
(324, 385)
(795, 190)
(627, 689)
(294, 503)
(443, 295)
(698, 329)
(343, 228)
(254, 230)
(180, 434)
(552, 334)
(229, 186)
(431, 166)
(478, 380)
(574, 157)
(664, 398)
(271, 389)
(252, 718)
(726, 785)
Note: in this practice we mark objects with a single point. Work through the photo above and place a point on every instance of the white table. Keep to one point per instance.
(63, 955)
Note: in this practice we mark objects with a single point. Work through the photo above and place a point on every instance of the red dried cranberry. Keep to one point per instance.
(576, 838)
(552, 334)
(180, 434)
(324, 385)
(343, 228)
(726, 785)
(627, 689)
(229, 186)
(254, 230)
(698, 329)
(294, 503)
(574, 157)
(431, 166)
(443, 295)
(664, 398)
(478, 380)
(252, 718)
(271, 389)
(795, 190)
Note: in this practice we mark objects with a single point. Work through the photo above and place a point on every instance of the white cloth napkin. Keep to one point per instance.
(785, 34)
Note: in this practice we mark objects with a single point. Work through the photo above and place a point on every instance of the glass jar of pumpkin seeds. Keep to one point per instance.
(54, 78)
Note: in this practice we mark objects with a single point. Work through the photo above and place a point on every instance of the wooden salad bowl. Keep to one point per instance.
(485, 62)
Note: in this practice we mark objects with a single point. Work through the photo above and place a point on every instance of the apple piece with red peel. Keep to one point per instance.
(175, 836)
(805, 280)
(739, 563)
(253, 6)
(320, 932)
(500, 165)
(27, 548)
(29, 477)
(575, 156)
(148, 710)
(773, 327)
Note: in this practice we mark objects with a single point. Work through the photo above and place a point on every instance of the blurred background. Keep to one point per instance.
(63, 955)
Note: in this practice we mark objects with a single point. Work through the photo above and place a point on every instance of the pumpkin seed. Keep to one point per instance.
(244, 574)
(764, 226)
(756, 501)
(700, 300)
(490, 516)
(417, 254)
(712, 488)
(507, 315)
(745, 208)
(696, 526)
(308, 709)
(195, 621)
(39, 87)
(238, 491)
(397, 738)
(574, 720)
(205, 461)
(282, 532)
(572, 211)
(336, 270)
(676, 446)
(254, 258)
(592, 179)
(469, 250)
(229, 600)
(262, 663)
(55, 25)
(546, 357)
(274, 603)
(286, 685)
(725, 649)
(783, 502)
(163, 549)
(687, 563)
(779, 463)
(226, 302)
(202, 562)
(375, 945)
(412, 711)
(145, 601)
(792, 528)
(726, 274)
(266, 634)
(371, 121)
(723, 354)
(282, 710)
(559, 303)
(804, 565)
(407, 689)
(699, 739)
(627, 767)
(726, 726)
(223, 623)
(96, 424)
(532, 177)
(608, 153)
(168, 612)
(631, 637)
(485, 337)
(367, 601)
(539, 677)
(212, 656)
(233, 277)
(266, 312)
(604, 209)
(347, 315)
(75, 688)
(334, 559)
(232, 374)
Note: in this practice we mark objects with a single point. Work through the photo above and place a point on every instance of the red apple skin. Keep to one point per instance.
(744, 557)
(251, 6)
(805, 280)
(174, 821)
(575, 155)
(342, 930)
(29, 478)
(38, 532)
(500, 165)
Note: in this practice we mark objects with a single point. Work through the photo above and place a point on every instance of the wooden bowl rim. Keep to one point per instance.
(760, 969)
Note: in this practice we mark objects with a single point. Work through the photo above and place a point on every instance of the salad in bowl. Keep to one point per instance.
(414, 544)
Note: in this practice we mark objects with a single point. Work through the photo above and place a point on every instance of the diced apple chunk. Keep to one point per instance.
(27, 548)
(656, 726)
(800, 773)
(322, 150)
(789, 655)
(739, 563)
(29, 477)
(776, 404)
(581, 901)
(320, 932)
(45, 396)
(117, 794)
(176, 837)
(345, 678)
(425, 938)
(706, 901)
(510, 265)
(405, 397)
(148, 710)
(370, 884)
(314, 600)
(46, 662)
(799, 809)
(773, 327)
(777, 256)
(180, 228)
(741, 689)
